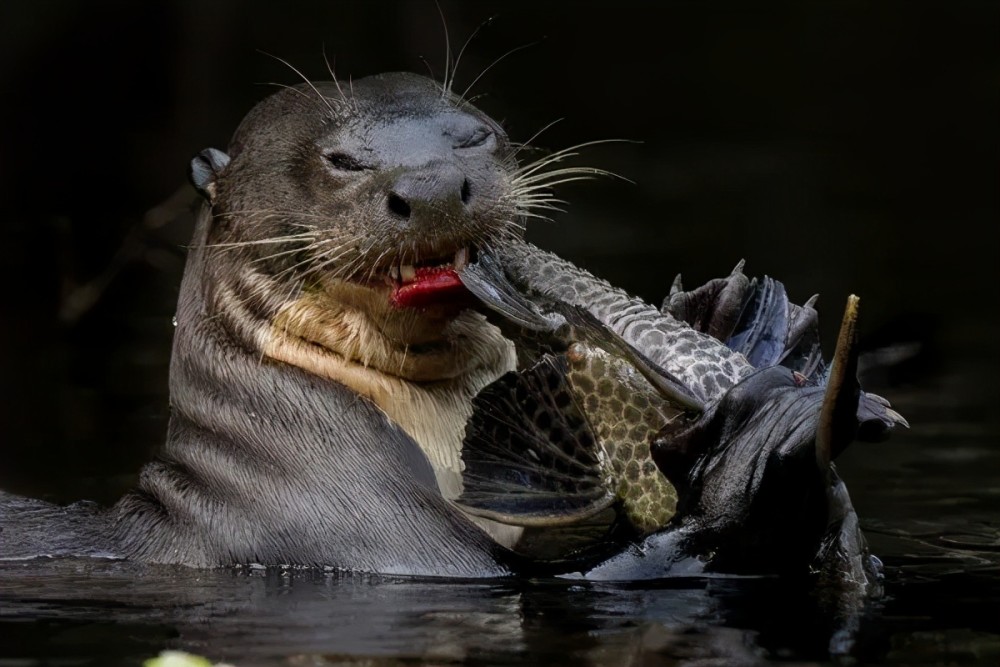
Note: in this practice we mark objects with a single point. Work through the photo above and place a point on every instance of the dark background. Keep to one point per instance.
(837, 146)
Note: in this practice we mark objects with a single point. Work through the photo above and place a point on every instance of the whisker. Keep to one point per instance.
(326, 100)
(430, 70)
(286, 87)
(461, 52)
(546, 178)
(277, 211)
(446, 83)
(540, 205)
(291, 269)
(326, 261)
(269, 241)
(333, 74)
(526, 145)
(350, 85)
(492, 65)
(283, 253)
(562, 154)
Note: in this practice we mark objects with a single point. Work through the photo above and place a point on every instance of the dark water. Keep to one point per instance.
(940, 542)
(841, 147)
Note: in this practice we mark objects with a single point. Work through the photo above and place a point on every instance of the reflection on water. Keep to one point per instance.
(116, 612)
(940, 542)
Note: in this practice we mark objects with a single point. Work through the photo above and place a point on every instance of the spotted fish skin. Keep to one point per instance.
(625, 413)
(558, 443)
(706, 365)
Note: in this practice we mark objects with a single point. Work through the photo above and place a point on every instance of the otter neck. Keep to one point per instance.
(356, 325)
(422, 371)
(425, 384)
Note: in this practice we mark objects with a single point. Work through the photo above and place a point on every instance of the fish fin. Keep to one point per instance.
(803, 353)
(714, 308)
(753, 317)
(593, 533)
(762, 332)
(487, 281)
(531, 457)
(774, 331)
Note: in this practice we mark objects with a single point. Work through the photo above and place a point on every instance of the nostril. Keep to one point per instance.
(466, 191)
(398, 205)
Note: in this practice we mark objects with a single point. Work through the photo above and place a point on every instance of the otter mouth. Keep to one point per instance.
(434, 282)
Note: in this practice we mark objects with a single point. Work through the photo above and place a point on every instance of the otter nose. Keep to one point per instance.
(429, 191)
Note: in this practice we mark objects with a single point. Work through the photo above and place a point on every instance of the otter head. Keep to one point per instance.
(340, 215)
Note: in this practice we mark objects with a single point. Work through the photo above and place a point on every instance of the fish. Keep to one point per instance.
(589, 416)
(585, 399)
(710, 426)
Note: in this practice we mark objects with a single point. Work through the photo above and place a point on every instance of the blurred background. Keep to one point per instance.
(839, 147)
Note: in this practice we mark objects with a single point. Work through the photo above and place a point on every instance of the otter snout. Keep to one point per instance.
(428, 192)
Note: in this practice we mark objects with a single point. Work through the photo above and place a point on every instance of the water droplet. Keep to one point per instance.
(173, 320)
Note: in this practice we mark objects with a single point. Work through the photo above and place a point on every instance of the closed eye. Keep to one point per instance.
(345, 162)
(480, 137)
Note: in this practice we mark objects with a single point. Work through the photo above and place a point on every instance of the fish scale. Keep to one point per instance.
(707, 367)
(625, 413)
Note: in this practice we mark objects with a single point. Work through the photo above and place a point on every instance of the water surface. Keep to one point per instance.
(940, 542)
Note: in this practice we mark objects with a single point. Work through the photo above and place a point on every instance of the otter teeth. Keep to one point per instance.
(407, 273)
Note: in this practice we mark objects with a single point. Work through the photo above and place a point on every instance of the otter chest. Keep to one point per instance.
(429, 395)
(434, 415)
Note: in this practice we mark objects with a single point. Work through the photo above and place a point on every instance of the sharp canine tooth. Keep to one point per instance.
(407, 272)
(461, 258)
(394, 272)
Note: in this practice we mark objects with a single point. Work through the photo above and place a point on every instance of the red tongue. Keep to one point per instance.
(431, 286)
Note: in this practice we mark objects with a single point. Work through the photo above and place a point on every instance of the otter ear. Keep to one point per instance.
(205, 169)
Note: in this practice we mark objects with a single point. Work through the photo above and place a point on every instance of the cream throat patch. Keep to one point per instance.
(425, 387)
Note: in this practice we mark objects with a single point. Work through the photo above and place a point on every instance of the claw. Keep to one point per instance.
(896, 417)
(878, 399)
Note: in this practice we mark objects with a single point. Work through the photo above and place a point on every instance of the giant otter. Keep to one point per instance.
(317, 411)
(323, 363)
(327, 352)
